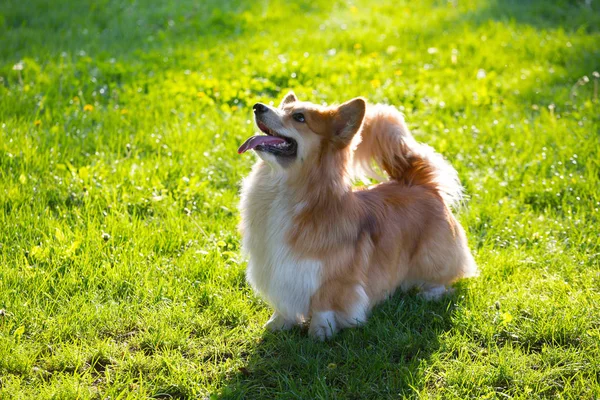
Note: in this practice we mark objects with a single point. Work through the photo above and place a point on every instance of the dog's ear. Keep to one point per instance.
(348, 119)
(289, 98)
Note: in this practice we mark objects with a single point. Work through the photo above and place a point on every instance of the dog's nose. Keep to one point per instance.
(260, 108)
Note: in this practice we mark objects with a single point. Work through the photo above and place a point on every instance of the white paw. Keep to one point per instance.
(278, 323)
(322, 325)
(435, 292)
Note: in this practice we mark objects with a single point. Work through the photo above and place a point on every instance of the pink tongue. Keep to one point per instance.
(257, 141)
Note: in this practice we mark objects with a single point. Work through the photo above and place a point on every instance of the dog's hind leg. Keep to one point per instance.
(434, 292)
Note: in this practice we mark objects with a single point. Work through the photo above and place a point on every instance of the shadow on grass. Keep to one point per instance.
(122, 29)
(385, 358)
(117, 28)
(568, 15)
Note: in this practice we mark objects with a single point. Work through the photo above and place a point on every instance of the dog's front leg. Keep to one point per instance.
(337, 305)
(277, 322)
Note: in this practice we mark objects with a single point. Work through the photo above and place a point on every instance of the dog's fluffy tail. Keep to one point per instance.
(386, 142)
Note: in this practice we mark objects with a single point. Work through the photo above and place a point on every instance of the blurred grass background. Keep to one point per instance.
(121, 274)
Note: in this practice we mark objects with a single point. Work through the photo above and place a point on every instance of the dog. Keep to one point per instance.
(320, 250)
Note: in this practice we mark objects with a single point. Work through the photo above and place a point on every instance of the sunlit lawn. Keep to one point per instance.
(120, 267)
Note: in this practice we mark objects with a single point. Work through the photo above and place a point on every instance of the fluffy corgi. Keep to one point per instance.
(320, 250)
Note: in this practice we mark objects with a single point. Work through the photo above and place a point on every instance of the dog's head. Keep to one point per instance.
(296, 131)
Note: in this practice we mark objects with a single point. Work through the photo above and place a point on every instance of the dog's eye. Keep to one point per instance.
(299, 117)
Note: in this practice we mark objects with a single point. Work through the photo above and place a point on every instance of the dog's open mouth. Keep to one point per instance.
(272, 142)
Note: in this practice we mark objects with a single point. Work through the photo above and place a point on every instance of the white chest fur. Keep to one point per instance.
(284, 279)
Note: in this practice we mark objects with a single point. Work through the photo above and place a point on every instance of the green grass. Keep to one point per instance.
(120, 266)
